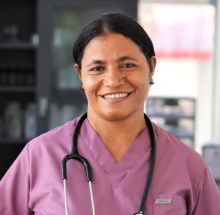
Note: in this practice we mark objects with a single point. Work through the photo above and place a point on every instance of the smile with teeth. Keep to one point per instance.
(115, 96)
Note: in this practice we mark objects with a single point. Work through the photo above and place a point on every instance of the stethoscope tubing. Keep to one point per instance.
(152, 164)
(65, 196)
(92, 198)
(66, 201)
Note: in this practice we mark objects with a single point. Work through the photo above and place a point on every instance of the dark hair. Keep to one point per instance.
(113, 23)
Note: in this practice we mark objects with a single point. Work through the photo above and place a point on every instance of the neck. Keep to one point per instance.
(118, 135)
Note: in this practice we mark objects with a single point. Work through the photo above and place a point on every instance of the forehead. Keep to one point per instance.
(110, 38)
(111, 45)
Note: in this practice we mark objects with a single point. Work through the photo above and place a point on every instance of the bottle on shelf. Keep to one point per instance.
(3, 74)
(30, 122)
(10, 33)
(13, 120)
(12, 79)
(20, 74)
(13, 74)
(1, 127)
(29, 74)
(55, 116)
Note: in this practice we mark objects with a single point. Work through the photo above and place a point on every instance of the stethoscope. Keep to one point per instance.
(75, 155)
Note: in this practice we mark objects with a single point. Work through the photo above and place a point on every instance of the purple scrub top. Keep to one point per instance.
(182, 183)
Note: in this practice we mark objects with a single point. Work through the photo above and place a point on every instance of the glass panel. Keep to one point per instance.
(68, 99)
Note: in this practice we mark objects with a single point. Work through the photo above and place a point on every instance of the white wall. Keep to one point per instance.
(216, 87)
(175, 78)
(177, 1)
(203, 126)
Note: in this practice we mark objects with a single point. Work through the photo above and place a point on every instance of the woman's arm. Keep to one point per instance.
(207, 196)
(14, 187)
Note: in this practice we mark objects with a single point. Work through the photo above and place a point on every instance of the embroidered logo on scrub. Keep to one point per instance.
(163, 201)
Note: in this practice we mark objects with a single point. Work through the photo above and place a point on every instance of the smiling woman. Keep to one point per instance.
(105, 53)
(115, 61)
(112, 98)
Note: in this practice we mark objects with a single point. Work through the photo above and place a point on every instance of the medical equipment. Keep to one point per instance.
(75, 155)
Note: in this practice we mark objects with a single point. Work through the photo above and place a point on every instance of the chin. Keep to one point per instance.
(115, 115)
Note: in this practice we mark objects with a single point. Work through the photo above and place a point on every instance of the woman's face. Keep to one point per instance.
(115, 76)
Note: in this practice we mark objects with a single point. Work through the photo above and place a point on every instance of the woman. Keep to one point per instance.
(115, 62)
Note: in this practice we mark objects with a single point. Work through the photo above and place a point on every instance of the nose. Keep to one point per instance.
(114, 78)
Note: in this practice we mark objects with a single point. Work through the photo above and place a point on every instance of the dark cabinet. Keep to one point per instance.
(36, 67)
(18, 52)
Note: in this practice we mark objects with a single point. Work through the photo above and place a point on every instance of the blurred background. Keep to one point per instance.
(39, 89)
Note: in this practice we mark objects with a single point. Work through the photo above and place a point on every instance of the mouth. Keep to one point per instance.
(116, 95)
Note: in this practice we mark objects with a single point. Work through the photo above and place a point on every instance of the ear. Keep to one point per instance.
(78, 73)
(153, 64)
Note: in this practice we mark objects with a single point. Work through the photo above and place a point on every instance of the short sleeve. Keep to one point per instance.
(14, 187)
(207, 200)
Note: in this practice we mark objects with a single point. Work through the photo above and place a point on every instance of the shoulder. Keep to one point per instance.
(170, 148)
(183, 170)
(56, 136)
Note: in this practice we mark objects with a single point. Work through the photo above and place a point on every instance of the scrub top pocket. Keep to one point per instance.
(171, 204)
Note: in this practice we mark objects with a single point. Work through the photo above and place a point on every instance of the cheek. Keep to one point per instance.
(91, 85)
(144, 89)
(142, 82)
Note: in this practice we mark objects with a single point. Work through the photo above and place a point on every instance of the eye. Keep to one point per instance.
(127, 65)
(97, 69)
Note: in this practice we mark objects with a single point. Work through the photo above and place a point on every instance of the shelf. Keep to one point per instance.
(13, 141)
(172, 98)
(170, 116)
(17, 89)
(17, 45)
(183, 136)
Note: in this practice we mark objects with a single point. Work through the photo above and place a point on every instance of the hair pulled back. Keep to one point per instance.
(113, 23)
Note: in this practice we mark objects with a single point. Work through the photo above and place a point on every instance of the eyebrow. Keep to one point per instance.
(121, 59)
(127, 57)
(95, 62)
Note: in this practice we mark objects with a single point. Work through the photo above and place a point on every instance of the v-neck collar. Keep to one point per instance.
(116, 172)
